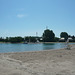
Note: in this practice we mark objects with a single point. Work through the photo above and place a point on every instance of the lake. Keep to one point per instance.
(8, 47)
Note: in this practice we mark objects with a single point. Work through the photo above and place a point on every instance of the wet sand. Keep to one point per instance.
(48, 62)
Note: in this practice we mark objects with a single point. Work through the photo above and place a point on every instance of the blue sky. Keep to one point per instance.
(26, 17)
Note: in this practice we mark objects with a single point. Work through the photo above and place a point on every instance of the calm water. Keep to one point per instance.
(7, 47)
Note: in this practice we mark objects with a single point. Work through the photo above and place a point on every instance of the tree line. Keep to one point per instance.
(20, 39)
(47, 36)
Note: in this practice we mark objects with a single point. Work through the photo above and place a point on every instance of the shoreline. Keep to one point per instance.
(48, 62)
(36, 50)
(36, 42)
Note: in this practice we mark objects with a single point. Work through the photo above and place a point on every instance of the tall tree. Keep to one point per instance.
(48, 36)
(64, 35)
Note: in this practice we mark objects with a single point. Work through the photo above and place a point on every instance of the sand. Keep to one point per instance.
(48, 62)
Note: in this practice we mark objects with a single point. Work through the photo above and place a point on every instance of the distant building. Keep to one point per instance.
(61, 39)
(70, 39)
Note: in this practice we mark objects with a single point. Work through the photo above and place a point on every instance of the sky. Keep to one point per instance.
(26, 17)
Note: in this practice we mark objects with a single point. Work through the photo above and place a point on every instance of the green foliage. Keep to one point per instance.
(56, 39)
(1, 39)
(7, 39)
(26, 39)
(19, 39)
(73, 38)
(16, 39)
(64, 35)
(30, 39)
(48, 36)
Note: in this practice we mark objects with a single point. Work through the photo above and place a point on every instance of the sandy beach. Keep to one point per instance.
(48, 62)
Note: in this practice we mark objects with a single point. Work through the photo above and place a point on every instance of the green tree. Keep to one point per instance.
(64, 35)
(16, 39)
(30, 39)
(27, 39)
(7, 39)
(48, 36)
(1, 39)
(33, 39)
(56, 39)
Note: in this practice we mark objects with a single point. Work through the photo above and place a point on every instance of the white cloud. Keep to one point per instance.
(21, 15)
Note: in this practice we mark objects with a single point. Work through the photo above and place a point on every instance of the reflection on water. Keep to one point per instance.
(48, 43)
(7, 47)
(53, 46)
(47, 46)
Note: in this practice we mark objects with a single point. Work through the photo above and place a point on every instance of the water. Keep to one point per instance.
(8, 47)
